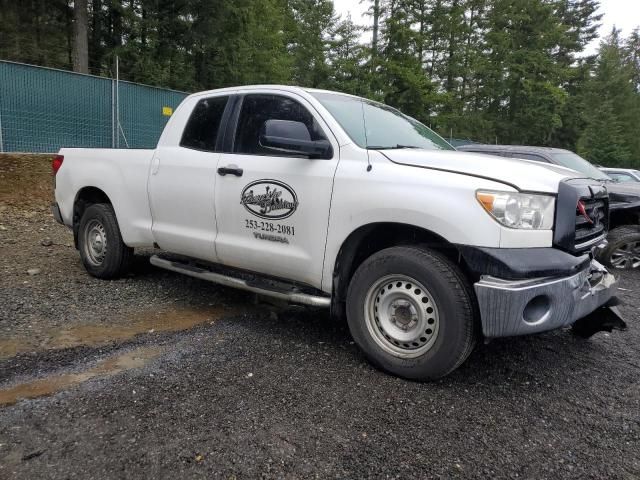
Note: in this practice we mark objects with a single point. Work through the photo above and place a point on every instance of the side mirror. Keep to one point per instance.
(287, 136)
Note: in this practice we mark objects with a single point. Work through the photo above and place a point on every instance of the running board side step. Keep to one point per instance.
(229, 281)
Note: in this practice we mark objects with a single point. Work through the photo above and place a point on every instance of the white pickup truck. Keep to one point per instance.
(331, 200)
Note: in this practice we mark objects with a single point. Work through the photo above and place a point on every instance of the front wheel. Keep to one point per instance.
(411, 311)
(102, 250)
(623, 248)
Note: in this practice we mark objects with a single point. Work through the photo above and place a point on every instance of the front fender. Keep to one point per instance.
(443, 203)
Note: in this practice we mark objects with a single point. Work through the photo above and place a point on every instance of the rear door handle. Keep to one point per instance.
(231, 170)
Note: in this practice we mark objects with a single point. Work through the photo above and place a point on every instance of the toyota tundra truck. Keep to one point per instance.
(331, 200)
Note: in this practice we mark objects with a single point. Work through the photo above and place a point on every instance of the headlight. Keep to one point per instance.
(519, 210)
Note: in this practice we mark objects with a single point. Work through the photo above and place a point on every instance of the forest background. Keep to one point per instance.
(505, 71)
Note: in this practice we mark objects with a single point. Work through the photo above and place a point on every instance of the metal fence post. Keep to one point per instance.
(113, 114)
(117, 102)
(1, 139)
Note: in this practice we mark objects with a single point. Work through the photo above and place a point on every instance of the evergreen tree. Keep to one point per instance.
(39, 32)
(308, 29)
(522, 81)
(632, 49)
(632, 60)
(580, 21)
(611, 112)
(80, 36)
(602, 141)
(233, 43)
(405, 84)
(456, 58)
(347, 60)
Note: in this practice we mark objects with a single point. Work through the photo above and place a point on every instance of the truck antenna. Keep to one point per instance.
(366, 140)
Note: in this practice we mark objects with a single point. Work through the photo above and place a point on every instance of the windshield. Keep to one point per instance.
(376, 126)
(579, 164)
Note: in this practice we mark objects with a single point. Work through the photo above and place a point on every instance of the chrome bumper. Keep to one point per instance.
(521, 307)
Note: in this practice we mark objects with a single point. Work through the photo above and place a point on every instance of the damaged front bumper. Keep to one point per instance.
(521, 307)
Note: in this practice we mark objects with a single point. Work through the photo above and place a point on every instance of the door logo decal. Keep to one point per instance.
(269, 199)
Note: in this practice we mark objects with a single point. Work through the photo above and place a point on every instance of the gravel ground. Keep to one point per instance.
(162, 376)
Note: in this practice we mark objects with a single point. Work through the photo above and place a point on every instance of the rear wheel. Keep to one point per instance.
(102, 250)
(412, 313)
(623, 248)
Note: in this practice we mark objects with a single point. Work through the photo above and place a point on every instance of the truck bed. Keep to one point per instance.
(121, 174)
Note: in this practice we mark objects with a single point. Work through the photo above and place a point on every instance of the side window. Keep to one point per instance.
(202, 128)
(257, 109)
(529, 156)
(621, 177)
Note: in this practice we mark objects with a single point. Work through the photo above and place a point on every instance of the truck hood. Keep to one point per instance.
(626, 192)
(524, 175)
(624, 195)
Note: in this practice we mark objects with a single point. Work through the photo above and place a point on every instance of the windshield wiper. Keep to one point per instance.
(391, 147)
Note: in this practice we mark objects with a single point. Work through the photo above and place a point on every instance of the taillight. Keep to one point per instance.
(56, 163)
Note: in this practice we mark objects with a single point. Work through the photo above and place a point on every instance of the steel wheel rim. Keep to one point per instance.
(95, 242)
(626, 256)
(401, 316)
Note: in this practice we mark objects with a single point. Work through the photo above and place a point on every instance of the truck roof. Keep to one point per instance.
(287, 88)
(247, 87)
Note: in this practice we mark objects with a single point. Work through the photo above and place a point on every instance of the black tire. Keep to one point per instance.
(449, 291)
(621, 240)
(114, 258)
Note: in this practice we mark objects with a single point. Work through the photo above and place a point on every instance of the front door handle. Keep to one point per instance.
(231, 170)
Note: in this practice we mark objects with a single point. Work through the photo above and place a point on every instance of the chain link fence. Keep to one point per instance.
(44, 109)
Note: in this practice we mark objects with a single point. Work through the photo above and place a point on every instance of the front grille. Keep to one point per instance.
(592, 216)
(582, 215)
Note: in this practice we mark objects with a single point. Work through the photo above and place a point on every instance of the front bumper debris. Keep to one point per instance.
(604, 319)
(521, 307)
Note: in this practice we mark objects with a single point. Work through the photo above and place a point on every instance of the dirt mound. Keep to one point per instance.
(25, 179)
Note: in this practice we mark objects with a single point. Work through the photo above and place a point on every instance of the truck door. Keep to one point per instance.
(272, 208)
(182, 184)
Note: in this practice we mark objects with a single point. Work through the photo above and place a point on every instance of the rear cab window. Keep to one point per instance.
(203, 126)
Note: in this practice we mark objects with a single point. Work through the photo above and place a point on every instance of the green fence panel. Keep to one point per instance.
(44, 109)
(141, 113)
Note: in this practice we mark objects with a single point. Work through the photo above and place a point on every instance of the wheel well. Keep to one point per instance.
(369, 239)
(620, 218)
(86, 196)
